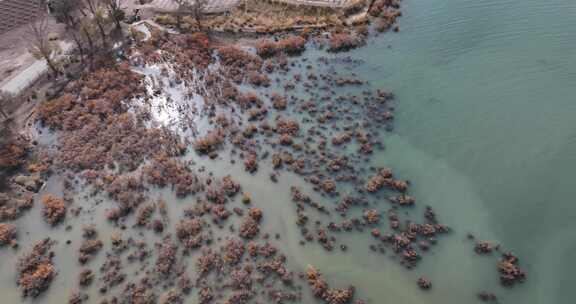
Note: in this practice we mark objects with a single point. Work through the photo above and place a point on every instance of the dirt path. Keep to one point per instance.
(14, 55)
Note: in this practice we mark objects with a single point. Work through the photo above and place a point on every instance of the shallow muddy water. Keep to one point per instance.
(484, 130)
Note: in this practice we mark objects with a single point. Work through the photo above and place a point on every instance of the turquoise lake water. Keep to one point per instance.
(486, 127)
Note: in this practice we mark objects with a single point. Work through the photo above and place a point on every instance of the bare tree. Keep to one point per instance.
(115, 12)
(182, 9)
(88, 30)
(95, 10)
(5, 99)
(198, 10)
(3, 112)
(195, 8)
(83, 19)
(39, 43)
(69, 13)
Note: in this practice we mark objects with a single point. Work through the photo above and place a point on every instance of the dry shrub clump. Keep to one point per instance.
(140, 292)
(292, 45)
(12, 153)
(386, 12)
(229, 186)
(12, 208)
(93, 111)
(164, 170)
(258, 79)
(251, 163)
(233, 251)
(483, 247)
(247, 100)
(188, 232)
(328, 186)
(120, 138)
(378, 181)
(172, 297)
(371, 216)
(35, 270)
(88, 249)
(340, 42)
(255, 214)
(209, 142)
(144, 214)
(209, 261)
(95, 96)
(287, 126)
(321, 289)
(235, 57)
(126, 191)
(249, 228)
(85, 277)
(278, 101)
(510, 271)
(238, 64)
(166, 261)
(190, 50)
(266, 48)
(54, 209)
(7, 234)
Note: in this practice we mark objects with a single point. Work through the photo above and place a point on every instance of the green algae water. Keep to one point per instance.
(485, 132)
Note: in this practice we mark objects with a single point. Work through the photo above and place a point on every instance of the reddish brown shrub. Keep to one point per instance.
(188, 228)
(266, 48)
(166, 260)
(192, 50)
(249, 228)
(85, 277)
(287, 126)
(126, 190)
(101, 94)
(238, 64)
(12, 153)
(144, 214)
(235, 57)
(164, 170)
(510, 271)
(54, 209)
(278, 101)
(188, 232)
(12, 208)
(255, 214)
(233, 251)
(249, 99)
(258, 79)
(88, 249)
(251, 163)
(229, 186)
(209, 142)
(328, 186)
(35, 270)
(120, 138)
(371, 216)
(208, 262)
(292, 45)
(321, 289)
(7, 234)
(343, 42)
